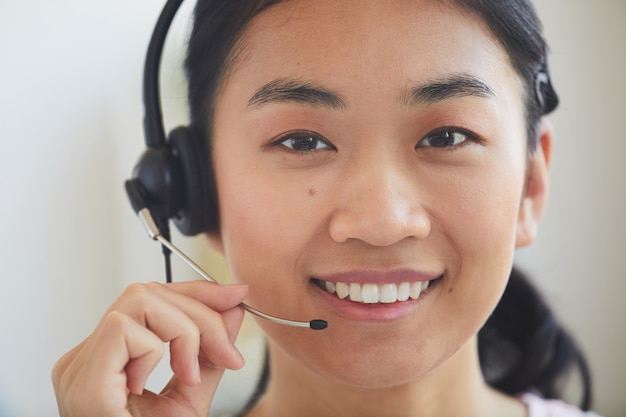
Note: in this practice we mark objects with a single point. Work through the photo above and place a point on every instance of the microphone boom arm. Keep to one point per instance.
(153, 232)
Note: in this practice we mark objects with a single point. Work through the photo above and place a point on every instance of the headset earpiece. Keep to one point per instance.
(197, 211)
(175, 184)
(159, 174)
(174, 174)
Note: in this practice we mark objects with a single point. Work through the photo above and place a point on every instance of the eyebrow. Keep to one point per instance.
(290, 90)
(453, 86)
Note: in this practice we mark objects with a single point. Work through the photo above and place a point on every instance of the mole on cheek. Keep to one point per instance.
(312, 192)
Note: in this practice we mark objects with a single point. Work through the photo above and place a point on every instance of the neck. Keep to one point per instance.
(455, 388)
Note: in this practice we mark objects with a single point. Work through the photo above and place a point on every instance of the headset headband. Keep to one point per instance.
(154, 132)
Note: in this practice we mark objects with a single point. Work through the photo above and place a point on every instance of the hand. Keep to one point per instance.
(106, 373)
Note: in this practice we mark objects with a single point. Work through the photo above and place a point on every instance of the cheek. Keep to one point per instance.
(479, 205)
(481, 229)
(487, 215)
(265, 224)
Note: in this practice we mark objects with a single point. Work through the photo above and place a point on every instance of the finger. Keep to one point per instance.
(187, 323)
(215, 341)
(128, 343)
(94, 377)
(167, 315)
(217, 297)
(201, 396)
(127, 348)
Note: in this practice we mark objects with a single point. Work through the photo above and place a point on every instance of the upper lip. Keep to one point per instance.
(379, 277)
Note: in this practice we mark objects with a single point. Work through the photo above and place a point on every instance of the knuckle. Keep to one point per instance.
(115, 323)
(189, 330)
(136, 290)
(139, 293)
(115, 319)
(153, 285)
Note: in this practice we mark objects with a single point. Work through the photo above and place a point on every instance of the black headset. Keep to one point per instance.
(173, 175)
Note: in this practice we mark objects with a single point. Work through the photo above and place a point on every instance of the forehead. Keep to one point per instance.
(356, 43)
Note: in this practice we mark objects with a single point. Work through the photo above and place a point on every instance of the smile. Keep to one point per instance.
(370, 293)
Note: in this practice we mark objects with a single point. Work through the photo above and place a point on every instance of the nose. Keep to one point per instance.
(379, 204)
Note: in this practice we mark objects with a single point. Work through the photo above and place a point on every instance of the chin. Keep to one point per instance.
(369, 360)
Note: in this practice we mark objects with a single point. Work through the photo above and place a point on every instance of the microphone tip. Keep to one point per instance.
(318, 324)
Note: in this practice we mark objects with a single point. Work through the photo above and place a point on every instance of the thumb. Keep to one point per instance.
(200, 396)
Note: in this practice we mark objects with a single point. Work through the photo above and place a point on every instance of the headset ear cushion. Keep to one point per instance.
(197, 212)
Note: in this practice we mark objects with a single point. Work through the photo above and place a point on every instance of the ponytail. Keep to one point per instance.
(523, 348)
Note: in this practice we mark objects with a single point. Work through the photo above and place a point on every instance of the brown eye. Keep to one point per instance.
(303, 142)
(445, 138)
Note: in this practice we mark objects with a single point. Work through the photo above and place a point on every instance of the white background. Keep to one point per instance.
(70, 131)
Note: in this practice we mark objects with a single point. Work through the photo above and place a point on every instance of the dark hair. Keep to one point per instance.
(516, 25)
(522, 347)
(218, 25)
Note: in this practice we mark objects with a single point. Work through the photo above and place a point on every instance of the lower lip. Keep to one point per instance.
(379, 312)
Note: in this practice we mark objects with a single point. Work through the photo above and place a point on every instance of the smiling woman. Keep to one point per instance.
(428, 162)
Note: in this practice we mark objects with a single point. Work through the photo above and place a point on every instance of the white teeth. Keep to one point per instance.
(415, 291)
(403, 291)
(356, 293)
(388, 293)
(375, 293)
(370, 293)
(342, 290)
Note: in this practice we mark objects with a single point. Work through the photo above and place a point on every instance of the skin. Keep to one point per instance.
(373, 201)
(374, 195)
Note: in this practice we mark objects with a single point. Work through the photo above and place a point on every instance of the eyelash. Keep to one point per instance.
(312, 140)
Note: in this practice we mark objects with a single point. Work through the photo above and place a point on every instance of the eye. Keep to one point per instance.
(302, 141)
(446, 138)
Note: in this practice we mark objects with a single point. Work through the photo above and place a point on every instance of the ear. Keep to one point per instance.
(535, 196)
(214, 237)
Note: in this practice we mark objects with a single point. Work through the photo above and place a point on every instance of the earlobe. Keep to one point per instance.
(535, 196)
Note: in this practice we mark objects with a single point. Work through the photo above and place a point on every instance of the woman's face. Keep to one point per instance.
(370, 149)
